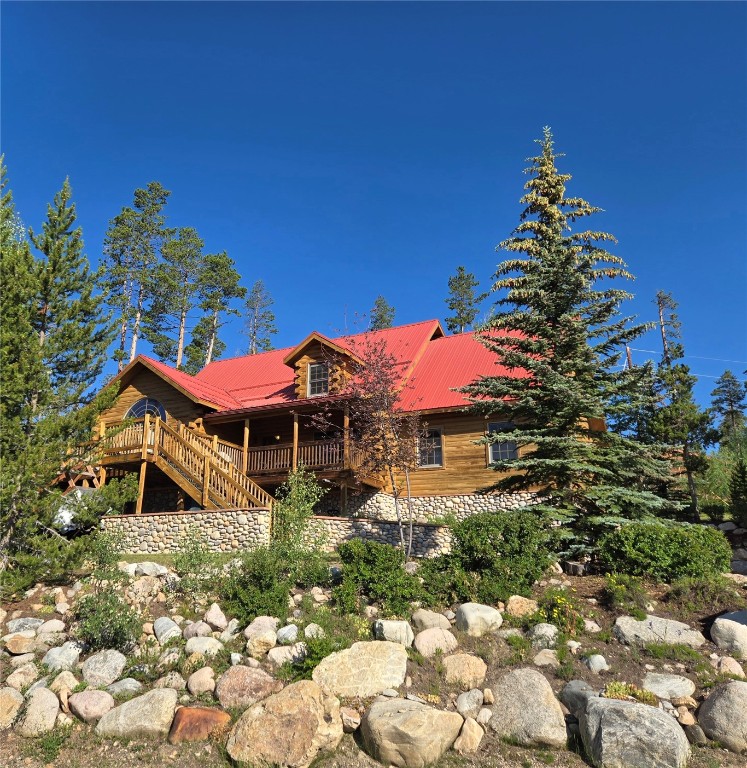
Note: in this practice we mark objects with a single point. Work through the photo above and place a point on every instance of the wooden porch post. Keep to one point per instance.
(156, 436)
(346, 437)
(206, 482)
(102, 429)
(141, 487)
(245, 457)
(295, 441)
(215, 442)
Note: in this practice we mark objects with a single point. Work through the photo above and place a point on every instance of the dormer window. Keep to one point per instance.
(318, 379)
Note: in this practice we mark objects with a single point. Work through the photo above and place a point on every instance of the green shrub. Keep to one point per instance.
(560, 607)
(195, 564)
(259, 586)
(494, 555)
(625, 593)
(375, 571)
(705, 596)
(665, 552)
(107, 621)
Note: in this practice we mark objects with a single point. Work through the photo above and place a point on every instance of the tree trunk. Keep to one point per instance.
(180, 342)
(136, 323)
(397, 511)
(691, 489)
(211, 342)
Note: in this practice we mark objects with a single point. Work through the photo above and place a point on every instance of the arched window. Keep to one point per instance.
(146, 405)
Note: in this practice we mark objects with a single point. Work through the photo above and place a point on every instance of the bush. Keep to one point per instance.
(259, 586)
(665, 552)
(560, 607)
(705, 596)
(626, 593)
(375, 571)
(445, 581)
(107, 621)
(494, 555)
(195, 564)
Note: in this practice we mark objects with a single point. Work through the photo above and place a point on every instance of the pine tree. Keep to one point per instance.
(218, 287)
(260, 319)
(738, 491)
(131, 250)
(382, 315)
(728, 401)
(558, 318)
(177, 284)
(462, 301)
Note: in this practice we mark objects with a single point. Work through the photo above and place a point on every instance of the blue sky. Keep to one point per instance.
(341, 151)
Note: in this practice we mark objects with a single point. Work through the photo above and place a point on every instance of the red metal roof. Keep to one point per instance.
(433, 364)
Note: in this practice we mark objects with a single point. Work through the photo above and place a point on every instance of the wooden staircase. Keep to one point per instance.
(204, 474)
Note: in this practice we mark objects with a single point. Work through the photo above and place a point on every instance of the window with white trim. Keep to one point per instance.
(318, 379)
(146, 405)
(501, 450)
(430, 448)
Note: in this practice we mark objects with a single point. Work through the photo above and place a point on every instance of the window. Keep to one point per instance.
(318, 379)
(501, 450)
(430, 448)
(146, 405)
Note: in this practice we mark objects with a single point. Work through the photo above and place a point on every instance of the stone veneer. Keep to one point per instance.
(380, 506)
(225, 530)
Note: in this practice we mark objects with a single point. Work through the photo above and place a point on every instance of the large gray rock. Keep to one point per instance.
(364, 669)
(424, 619)
(624, 734)
(125, 686)
(166, 629)
(729, 632)
(288, 729)
(469, 703)
(477, 620)
(207, 646)
(668, 686)
(394, 631)
(90, 706)
(42, 708)
(242, 686)
(656, 630)
(544, 635)
(150, 569)
(197, 629)
(53, 626)
(64, 657)
(103, 668)
(526, 710)
(723, 715)
(575, 694)
(20, 625)
(408, 733)
(147, 716)
(10, 703)
(23, 676)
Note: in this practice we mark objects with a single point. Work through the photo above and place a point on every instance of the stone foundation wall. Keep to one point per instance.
(380, 506)
(428, 540)
(224, 530)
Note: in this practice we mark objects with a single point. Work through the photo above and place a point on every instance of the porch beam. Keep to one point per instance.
(245, 456)
(295, 442)
(141, 488)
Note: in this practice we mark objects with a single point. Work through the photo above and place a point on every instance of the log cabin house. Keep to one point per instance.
(228, 436)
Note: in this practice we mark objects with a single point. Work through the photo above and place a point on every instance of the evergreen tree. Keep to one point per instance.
(131, 250)
(558, 318)
(219, 285)
(177, 283)
(728, 402)
(260, 319)
(462, 301)
(738, 491)
(382, 315)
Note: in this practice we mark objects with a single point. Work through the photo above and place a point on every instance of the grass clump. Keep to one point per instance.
(705, 596)
(673, 652)
(47, 746)
(617, 689)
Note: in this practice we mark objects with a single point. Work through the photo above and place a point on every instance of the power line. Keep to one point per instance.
(697, 357)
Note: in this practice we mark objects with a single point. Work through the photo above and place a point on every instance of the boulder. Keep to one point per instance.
(207, 646)
(166, 629)
(24, 658)
(261, 642)
(261, 624)
(723, 715)
(171, 680)
(465, 669)
(20, 642)
(103, 668)
(526, 710)
(241, 686)
(313, 630)
(521, 606)
(150, 569)
(668, 686)
(286, 654)
(125, 686)
(64, 657)
(288, 634)
(543, 635)
(477, 620)
(65, 680)
(21, 625)
(201, 681)
(469, 704)
(197, 629)
(394, 631)
(424, 619)
(431, 640)
(351, 719)
(575, 694)
(23, 677)
(146, 716)
(469, 737)
(625, 734)
(215, 618)
(10, 703)
(144, 589)
(198, 724)
(547, 657)
(407, 733)
(597, 663)
(42, 708)
(729, 632)
(53, 626)
(653, 629)
(364, 669)
(730, 666)
(288, 729)
(90, 706)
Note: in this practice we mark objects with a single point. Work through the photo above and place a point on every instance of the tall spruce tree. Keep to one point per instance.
(558, 319)
(53, 340)
(463, 301)
(382, 315)
(728, 402)
(260, 319)
(132, 248)
(218, 287)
